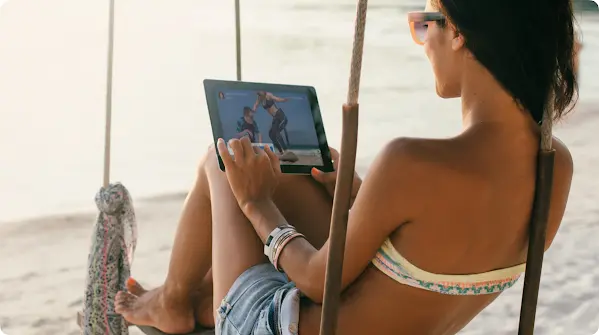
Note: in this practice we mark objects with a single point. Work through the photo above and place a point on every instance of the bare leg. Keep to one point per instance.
(170, 307)
(302, 201)
(236, 245)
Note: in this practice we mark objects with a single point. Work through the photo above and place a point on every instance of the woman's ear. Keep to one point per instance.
(457, 42)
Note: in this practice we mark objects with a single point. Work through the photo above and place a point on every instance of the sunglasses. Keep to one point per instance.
(419, 22)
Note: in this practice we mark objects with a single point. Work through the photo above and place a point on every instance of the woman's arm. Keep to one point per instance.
(375, 215)
(275, 98)
(256, 104)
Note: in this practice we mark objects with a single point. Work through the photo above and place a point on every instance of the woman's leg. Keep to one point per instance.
(275, 131)
(303, 202)
(237, 247)
(283, 127)
(170, 307)
(274, 134)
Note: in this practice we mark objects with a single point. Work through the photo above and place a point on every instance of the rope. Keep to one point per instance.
(538, 226)
(345, 174)
(546, 129)
(238, 39)
(107, 129)
(358, 50)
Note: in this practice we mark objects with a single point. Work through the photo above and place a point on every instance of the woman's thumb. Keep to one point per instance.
(320, 176)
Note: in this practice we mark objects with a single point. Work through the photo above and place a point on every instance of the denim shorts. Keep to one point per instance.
(249, 306)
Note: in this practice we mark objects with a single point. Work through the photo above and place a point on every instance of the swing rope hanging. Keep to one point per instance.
(345, 174)
(538, 226)
(108, 102)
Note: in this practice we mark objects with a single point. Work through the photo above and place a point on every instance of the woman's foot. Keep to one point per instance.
(155, 308)
(289, 156)
(135, 288)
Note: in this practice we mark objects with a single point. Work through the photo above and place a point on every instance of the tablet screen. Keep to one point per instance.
(281, 120)
(286, 118)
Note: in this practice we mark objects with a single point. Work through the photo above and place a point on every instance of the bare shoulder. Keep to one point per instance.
(562, 175)
(562, 181)
(412, 149)
(563, 157)
(421, 156)
(412, 170)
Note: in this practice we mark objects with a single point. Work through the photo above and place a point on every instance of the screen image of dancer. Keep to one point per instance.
(280, 120)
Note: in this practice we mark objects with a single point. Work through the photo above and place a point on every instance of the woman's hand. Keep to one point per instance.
(252, 172)
(329, 180)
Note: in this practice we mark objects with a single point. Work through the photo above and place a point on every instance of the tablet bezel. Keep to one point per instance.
(213, 86)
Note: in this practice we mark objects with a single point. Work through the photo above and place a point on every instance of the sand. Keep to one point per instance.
(43, 265)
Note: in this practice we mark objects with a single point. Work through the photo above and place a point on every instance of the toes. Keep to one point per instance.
(119, 303)
(134, 287)
(124, 302)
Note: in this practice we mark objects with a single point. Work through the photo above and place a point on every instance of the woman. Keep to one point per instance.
(438, 228)
(279, 121)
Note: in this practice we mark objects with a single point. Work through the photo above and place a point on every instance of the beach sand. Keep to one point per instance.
(43, 261)
(43, 265)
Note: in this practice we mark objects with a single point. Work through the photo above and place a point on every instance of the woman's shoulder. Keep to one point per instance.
(414, 172)
(428, 164)
(417, 162)
(445, 153)
(563, 156)
(424, 153)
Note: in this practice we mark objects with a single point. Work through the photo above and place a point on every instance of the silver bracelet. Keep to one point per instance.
(276, 245)
(274, 239)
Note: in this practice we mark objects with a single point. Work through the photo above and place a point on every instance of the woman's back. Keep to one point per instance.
(474, 218)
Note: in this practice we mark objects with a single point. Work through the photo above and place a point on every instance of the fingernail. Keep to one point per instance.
(315, 171)
(131, 281)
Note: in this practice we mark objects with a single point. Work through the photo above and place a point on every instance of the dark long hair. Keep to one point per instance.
(528, 46)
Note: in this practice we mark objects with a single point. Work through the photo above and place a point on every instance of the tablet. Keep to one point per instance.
(285, 118)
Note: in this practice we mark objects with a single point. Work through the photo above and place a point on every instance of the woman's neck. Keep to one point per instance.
(484, 100)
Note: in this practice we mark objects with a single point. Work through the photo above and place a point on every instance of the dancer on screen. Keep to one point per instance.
(247, 126)
(279, 122)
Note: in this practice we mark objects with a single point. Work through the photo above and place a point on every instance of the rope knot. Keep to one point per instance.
(111, 199)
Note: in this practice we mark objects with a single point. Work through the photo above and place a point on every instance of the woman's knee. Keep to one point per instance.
(208, 169)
